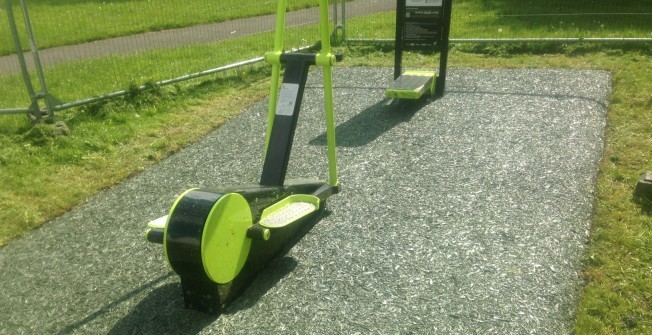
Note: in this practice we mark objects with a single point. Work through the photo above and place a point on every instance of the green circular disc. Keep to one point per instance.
(224, 244)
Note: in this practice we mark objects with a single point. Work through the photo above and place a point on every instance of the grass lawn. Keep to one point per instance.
(43, 176)
(63, 22)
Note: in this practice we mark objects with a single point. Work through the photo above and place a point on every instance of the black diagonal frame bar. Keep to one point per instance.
(285, 119)
(443, 58)
(398, 42)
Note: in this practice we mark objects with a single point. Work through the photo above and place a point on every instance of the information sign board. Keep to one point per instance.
(422, 24)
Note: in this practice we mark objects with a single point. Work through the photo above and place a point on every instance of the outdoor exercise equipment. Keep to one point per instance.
(644, 185)
(217, 240)
(421, 25)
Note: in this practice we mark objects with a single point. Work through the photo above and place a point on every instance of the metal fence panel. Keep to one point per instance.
(82, 42)
(546, 20)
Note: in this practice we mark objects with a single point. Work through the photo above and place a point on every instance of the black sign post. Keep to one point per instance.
(423, 25)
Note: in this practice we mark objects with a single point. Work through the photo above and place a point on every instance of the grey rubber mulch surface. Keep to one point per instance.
(464, 215)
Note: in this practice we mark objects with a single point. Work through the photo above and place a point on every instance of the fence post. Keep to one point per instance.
(33, 108)
(50, 102)
(339, 21)
(343, 20)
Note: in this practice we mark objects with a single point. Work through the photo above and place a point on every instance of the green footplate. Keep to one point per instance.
(412, 85)
(289, 210)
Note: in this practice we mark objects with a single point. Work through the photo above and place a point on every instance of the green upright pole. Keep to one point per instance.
(325, 59)
(327, 64)
(274, 59)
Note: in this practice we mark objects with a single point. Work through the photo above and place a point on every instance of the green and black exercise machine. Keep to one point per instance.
(421, 25)
(217, 240)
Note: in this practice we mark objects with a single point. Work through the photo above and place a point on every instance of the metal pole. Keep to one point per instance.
(335, 19)
(627, 40)
(443, 57)
(279, 31)
(37, 59)
(339, 19)
(343, 20)
(21, 62)
(554, 39)
(328, 93)
(398, 37)
(14, 111)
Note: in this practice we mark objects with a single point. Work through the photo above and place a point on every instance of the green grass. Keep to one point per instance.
(98, 76)
(482, 19)
(63, 22)
(503, 18)
(43, 176)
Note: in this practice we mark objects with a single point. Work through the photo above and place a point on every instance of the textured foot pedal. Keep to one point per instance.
(156, 230)
(159, 223)
(289, 210)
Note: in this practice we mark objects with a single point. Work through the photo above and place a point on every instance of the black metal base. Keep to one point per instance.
(199, 292)
(644, 186)
(201, 295)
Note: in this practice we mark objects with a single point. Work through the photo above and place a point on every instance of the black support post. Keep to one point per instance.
(443, 58)
(398, 39)
(285, 119)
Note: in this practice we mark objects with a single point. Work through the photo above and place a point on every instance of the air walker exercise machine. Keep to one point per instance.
(217, 240)
(421, 25)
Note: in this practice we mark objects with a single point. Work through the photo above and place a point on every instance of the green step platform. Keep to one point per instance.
(412, 85)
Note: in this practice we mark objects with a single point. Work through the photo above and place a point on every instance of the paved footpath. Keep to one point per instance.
(206, 33)
(465, 215)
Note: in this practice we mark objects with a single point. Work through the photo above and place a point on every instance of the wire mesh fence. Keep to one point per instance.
(91, 48)
(533, 20)
(116, 44)
(68, 22)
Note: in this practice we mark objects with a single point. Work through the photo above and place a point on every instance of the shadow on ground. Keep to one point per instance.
(644, 203)
(528, 94)
(163, 311)
(108, 307)
(264, 282)
(373, 121)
